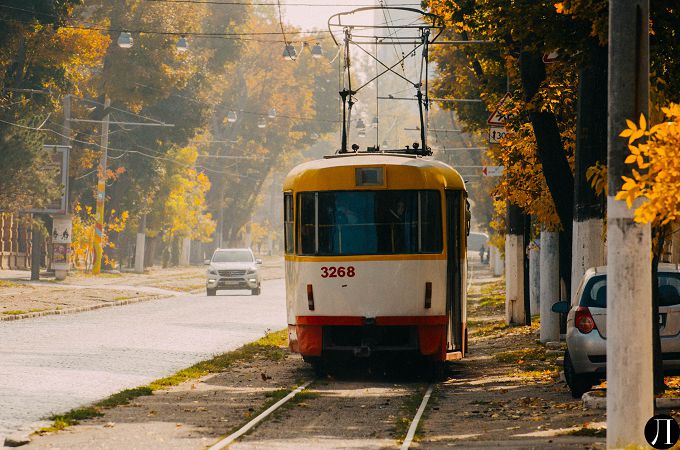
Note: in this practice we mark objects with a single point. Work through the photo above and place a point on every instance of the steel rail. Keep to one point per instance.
(416, 419)
(263, 415)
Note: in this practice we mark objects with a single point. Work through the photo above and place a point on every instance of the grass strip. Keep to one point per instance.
(271, 347)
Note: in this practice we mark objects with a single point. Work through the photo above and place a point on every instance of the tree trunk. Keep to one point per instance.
(591, 148)
(553, 158)
(514, 267)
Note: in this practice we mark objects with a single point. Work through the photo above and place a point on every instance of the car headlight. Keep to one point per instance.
(212, 271)
(251, 272)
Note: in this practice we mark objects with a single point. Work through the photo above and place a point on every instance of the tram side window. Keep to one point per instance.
(288, 223)
(431, 222)
(370, 222)
(306, 220)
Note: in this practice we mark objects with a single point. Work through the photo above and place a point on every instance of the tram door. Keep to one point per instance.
(454, 201)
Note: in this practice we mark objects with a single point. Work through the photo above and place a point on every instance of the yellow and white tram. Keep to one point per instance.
(375, 250)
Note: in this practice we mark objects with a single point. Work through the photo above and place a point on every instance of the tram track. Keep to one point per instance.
(340, 413)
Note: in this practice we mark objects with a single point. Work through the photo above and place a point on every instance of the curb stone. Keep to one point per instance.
(553, 345)
(55, 312)
(17, 440)
(591, 401)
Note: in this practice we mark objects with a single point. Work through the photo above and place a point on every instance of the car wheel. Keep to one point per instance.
(211, 292)
(579, 383)
(255, 291)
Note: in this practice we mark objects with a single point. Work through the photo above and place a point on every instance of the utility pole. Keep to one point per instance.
(61, 267)
(140, 246)
(630, 398)
(101, 191)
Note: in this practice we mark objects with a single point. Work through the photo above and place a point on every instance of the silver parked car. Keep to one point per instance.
(586, 355)
(233, 268)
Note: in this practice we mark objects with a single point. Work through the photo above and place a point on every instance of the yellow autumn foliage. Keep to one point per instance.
(655, 174)
(184, 206)
(82, 241)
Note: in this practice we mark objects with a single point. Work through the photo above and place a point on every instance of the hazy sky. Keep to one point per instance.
(309, 17)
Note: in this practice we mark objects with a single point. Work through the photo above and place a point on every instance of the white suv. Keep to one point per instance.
(233, 268)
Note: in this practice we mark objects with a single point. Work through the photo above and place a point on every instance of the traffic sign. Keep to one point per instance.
(496, 134)
(492, 171)
(549, 58)
(498, 117)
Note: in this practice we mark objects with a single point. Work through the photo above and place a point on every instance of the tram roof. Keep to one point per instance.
(337, 172)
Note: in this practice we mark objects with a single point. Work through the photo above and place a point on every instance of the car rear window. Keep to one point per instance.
(595, 292)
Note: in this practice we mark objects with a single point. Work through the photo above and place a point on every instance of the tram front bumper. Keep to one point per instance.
(314, 335)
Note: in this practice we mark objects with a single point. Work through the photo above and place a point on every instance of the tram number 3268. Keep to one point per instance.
(337, 272)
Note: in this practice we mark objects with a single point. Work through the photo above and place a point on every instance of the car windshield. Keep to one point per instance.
(595, 292)
(224, 256)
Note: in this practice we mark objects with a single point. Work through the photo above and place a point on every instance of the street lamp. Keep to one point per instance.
(182, 45)
(125, 40)
(317, 51)
(289, 53)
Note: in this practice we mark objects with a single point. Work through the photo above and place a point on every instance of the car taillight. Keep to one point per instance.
(583, 320)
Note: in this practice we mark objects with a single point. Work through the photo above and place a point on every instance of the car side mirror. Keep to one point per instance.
(561, 307)
(258, 261)
(206, 262)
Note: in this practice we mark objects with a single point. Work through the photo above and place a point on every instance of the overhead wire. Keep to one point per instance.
(207, 169)
(232, 3)
(291, 55)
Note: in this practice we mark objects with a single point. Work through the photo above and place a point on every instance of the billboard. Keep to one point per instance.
(58, 160)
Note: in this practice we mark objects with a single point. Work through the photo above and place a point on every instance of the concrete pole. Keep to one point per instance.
(61, 271)
(534, 278)
(101, 192)
(630, 398)
(550, 285)
(514, 267)
(139, 247)
(185, 252)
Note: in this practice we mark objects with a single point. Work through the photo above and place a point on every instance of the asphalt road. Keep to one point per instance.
(54, 363)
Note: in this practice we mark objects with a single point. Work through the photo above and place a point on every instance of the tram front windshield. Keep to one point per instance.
(369, 222)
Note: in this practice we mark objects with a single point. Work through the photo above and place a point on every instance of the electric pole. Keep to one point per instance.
(101, 192)
(630, 397)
